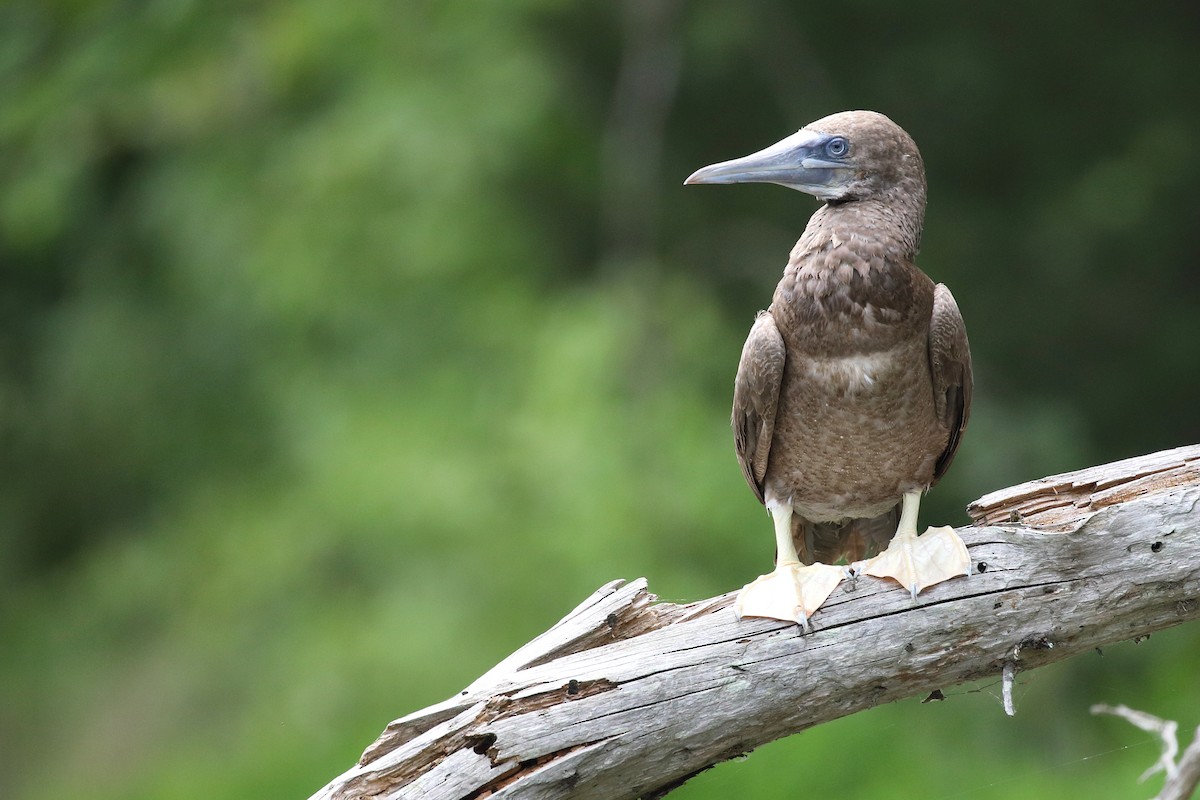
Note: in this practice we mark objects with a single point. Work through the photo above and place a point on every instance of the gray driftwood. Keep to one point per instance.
(627, 698)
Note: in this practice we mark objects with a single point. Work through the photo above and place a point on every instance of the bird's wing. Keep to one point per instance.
(950, 366)
(756, 397)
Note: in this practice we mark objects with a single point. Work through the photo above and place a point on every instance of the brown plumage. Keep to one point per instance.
(854, 386)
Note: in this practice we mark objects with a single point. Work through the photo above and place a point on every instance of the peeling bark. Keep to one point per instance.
(1062, 502)
(627, 698)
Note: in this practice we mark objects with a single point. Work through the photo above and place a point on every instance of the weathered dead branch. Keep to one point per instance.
(1182, 776)
(628, 698)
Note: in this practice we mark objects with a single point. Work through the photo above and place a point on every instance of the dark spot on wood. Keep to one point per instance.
(1014, 516)
(981, 567)
(482, 743)
(996, 605)
(1039, 643)
(935, 695)
(573, 690)
(1154, 548)
(908, 648)
(1185, 607)
(611, 619)
(1049, 590)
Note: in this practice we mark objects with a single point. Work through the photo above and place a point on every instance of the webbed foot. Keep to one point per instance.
(918, 562)
(793, 592)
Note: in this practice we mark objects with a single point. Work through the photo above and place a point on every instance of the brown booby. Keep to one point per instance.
(854, 386)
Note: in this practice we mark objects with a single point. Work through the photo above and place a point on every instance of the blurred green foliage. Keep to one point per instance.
(346, 346)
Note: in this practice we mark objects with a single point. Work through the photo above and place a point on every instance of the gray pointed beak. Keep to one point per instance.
(795, 162)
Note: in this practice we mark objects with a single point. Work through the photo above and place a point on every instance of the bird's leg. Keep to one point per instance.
(921, 561)
(793, 592)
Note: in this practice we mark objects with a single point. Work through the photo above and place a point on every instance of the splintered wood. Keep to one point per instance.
(1063, 502)
(627, 698)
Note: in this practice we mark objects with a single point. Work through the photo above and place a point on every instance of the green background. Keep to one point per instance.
(346, 346)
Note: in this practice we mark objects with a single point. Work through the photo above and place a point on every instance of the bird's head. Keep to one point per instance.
(853, 155)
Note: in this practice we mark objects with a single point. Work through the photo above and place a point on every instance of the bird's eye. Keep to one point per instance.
(836, 147)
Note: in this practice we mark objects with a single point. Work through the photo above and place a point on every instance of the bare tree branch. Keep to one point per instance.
(1182, 778)
(628, 698)
(1187, 776)
(1165, 729)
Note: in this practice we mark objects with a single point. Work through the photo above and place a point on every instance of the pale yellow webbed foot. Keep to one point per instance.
(792, 592)
(918, 562)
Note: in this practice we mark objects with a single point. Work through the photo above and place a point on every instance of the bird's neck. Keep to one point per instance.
(892, 222)
(853, 265)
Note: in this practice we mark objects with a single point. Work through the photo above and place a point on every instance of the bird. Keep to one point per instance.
(853, 389)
